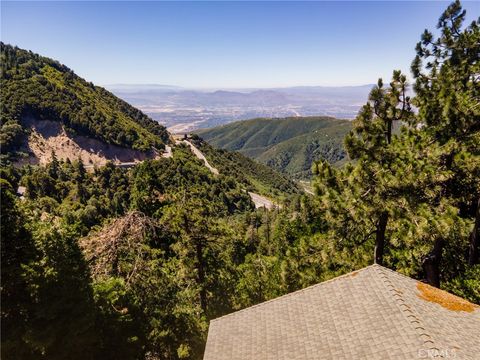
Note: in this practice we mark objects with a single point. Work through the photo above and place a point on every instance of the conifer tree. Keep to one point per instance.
(370, 143)
(420, 186)
(17, 252)
(447, 89)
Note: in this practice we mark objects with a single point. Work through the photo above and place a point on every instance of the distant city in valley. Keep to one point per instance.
(183, 110)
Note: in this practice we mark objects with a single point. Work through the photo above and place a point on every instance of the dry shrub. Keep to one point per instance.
(119, 249)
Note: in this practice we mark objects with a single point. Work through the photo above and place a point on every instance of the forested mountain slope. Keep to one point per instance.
(36, 88)
(255, 176)
(289, 145)
(134, 290)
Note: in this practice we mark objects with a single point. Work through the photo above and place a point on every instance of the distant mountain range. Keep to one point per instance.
(183, 110)
(289, 145)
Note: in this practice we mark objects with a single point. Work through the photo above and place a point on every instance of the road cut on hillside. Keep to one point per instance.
(259, 200)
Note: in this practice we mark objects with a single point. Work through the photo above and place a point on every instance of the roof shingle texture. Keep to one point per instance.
(374, 313)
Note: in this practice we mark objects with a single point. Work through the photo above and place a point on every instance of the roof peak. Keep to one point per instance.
(351, 274)
(373, 312)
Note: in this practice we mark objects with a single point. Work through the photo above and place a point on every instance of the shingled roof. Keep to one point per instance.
(373, 313)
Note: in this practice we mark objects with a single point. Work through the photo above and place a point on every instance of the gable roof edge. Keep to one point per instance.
(352, 273)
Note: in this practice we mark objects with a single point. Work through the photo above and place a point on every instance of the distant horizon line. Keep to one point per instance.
(229, 87)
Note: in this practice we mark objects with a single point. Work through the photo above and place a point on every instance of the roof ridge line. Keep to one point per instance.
(298, 291)
(410, 316)
(426, 283)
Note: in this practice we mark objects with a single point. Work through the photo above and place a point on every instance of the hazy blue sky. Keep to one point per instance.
(225, 44)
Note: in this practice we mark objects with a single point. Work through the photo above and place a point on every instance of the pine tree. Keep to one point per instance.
(419, 185)
(54, 166)
(448, 95)
(17, 252)
(370, 143)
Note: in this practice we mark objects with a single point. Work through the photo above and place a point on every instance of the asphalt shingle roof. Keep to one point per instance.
(373, 313)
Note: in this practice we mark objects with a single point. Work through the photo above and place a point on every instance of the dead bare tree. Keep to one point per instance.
(119, 248)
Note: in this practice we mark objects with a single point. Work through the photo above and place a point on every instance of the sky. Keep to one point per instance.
(225, 44)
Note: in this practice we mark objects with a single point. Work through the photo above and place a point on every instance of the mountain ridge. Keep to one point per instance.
(289, 145)
(187, 109)
(39, 88)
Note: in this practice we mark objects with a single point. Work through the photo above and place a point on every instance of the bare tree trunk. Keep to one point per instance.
(267, 232)
(198, 244)
(380, 238)
(201, 275)
(431, 263)
(389, 131)
(474, 250)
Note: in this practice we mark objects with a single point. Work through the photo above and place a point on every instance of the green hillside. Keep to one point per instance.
(254, 175)
(39, 87)
(289, 145)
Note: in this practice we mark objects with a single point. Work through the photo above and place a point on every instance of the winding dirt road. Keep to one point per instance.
(259, 200)
(166, 154)
(202, 157)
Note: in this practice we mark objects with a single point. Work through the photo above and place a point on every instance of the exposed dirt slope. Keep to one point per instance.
(47, 137)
